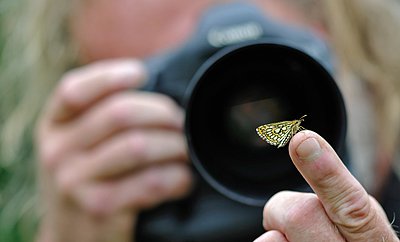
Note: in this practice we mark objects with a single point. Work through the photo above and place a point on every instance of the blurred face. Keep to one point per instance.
(137, 28)
(134, 28)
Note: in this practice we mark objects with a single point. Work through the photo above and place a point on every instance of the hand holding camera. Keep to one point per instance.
(106, 153)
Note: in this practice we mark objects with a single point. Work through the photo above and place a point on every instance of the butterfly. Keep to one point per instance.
(279, 134)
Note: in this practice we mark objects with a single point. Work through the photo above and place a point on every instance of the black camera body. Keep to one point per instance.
(241, 70)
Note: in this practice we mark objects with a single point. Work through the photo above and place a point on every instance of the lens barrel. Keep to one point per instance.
(244, 86)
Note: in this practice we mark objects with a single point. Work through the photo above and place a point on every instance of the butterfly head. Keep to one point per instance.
(302, 118)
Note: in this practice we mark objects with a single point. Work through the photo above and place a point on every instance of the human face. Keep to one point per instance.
(138, 28)
(132, 28)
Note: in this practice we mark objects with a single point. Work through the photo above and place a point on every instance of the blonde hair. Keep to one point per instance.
(366, 34)
(366, 38)
(37, 51)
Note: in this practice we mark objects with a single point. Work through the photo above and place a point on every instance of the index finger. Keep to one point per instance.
(346, 202)
(84, 86)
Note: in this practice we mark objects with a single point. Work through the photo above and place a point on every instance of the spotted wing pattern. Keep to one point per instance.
(279, 134)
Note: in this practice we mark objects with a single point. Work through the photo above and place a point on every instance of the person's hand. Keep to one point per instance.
(340, 209)
(106, 152)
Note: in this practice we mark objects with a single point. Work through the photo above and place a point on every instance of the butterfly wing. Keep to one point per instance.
(264, 131)
(286, 136)
(276, 134)
(279, 134)
(293, 127)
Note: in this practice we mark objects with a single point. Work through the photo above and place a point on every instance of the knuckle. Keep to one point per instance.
(138, 146)
(301, 211)
(174, 182)
(356, 214)
(50, 154)
(152, 190)
(161, 184)
(276, 199)
(97, 203)
(154, 181)
(119, 112)
(66, 181)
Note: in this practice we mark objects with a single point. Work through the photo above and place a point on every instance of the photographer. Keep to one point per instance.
(106, 152)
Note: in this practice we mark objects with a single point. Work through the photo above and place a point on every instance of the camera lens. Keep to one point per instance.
(243, 87)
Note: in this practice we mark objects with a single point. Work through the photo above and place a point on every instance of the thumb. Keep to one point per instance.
(357, 215)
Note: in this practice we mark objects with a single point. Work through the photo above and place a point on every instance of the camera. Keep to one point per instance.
(238, 71)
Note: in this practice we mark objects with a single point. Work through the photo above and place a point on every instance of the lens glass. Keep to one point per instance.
(249, 87)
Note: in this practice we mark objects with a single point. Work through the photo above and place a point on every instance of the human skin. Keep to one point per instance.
(106, 153)
(340, 209)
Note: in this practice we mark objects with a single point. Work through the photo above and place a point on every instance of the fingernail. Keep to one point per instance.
(309, 150)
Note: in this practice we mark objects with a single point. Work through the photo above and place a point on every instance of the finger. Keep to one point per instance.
(140, 110)
(82, 87)
(300, 217)
(346, 202)
(271, 236)
(124, 153)
(122, 111)
(140, 190)
(137, 149)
